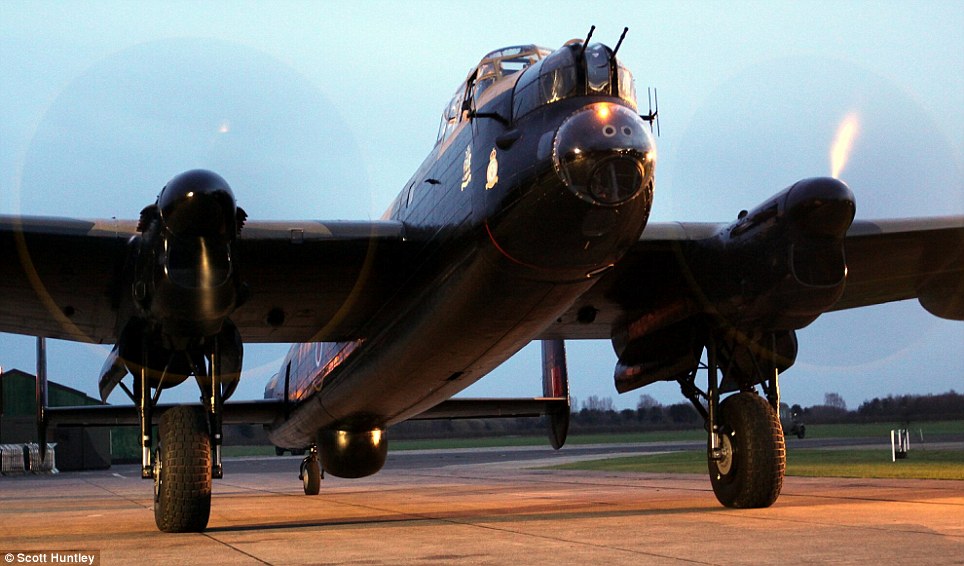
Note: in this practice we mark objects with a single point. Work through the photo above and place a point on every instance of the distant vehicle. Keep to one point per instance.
(797, 428)
(790, 420)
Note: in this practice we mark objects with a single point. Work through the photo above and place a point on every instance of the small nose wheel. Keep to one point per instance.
(311, 473)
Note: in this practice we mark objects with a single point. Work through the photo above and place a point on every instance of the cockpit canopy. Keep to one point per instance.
(505, 62)
(547, 77)
(493, 67)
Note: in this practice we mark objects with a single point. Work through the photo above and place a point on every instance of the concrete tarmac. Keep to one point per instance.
(500, 509)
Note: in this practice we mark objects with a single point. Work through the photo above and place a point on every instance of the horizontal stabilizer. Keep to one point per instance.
(241, 412)
(493, 408)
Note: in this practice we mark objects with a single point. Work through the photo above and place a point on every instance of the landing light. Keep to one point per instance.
(602, 111)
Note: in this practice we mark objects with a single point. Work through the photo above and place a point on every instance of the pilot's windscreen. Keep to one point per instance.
(558, 78)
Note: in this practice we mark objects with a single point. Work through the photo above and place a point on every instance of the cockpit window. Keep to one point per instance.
(493, 67)
(553, 79)
(510, 66)
(451, 114)
(558, 77)
(626, 84)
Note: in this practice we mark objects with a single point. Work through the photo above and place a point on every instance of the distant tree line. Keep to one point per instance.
(595, 415)
(598, 415)
(903, 408)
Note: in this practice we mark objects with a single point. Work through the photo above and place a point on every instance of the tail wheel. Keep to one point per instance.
(750, 472)
(311, 475)
(182, 473)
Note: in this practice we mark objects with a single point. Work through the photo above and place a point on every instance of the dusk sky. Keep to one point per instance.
(314, 110)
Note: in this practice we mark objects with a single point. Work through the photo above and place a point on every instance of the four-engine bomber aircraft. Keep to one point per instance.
(527, 221)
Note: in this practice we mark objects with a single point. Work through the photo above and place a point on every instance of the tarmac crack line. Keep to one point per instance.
(118, 495)
(236, 549)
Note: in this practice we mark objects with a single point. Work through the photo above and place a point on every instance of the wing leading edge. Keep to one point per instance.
(308, 280)
(887, 260)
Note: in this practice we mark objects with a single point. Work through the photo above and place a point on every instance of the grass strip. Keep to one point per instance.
(861, 463)
(919, 432)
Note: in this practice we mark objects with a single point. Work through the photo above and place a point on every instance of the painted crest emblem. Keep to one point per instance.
(492, 171)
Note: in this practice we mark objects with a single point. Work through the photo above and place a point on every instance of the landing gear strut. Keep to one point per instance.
(746, 455)
(311, 473)
(188, 452)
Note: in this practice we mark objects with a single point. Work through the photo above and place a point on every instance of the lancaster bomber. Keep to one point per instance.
(527, 221)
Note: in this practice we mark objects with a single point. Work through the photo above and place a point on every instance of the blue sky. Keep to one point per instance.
(321, 110)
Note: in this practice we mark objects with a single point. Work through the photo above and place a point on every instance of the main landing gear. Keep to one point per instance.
(746, 455)
(188, 452)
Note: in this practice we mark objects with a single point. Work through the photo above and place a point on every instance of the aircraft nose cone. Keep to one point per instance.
(604, 154)
(198, 203)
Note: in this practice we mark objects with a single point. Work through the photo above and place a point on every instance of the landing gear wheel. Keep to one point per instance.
(182, 471)
(750, 473)
(311, 475)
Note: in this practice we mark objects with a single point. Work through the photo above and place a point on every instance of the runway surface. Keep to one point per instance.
(493, 506)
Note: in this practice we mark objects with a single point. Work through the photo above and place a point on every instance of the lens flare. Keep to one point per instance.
(842, 144)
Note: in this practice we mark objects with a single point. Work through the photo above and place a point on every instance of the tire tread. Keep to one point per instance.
(183, 503)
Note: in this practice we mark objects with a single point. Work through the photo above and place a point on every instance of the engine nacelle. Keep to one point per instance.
(353, 454)
(773, 271)
(184, 274)
(781, 265)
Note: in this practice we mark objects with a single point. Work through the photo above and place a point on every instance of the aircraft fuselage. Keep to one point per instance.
(513, 219)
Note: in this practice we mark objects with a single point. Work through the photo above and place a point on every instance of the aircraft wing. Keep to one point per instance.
(893, 260)
(887, 260)
(63, 278)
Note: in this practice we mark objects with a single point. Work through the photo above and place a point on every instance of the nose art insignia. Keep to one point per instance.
(492, 171)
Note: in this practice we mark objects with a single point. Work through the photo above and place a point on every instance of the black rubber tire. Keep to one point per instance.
(751, 473)
(182, 484)
(279, 451)
(311, 475)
